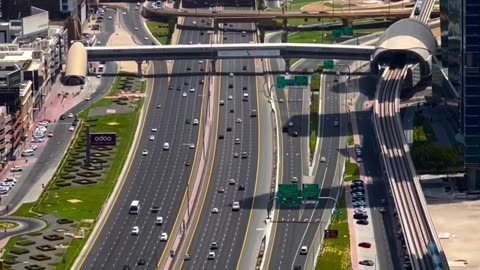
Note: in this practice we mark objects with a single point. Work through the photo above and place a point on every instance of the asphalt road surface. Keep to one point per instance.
(159, 178)
(228, 227)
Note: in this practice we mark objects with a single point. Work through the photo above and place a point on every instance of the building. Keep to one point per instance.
(5, 136)
(14, 9)
(462, 57)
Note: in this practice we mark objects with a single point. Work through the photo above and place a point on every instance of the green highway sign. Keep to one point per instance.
(288, 195)
(337, 33)
(310, 192)
(296, 81)
(328, 64)
(343, 32)
(347, 31)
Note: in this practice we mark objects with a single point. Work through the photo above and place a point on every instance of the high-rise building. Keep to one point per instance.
(14, 9)
(471, 90)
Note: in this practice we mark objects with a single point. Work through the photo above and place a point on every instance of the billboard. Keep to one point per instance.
(35, 24)
(103, 139)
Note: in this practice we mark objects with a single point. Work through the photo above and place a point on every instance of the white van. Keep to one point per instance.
(245, 96)
(134, 207)
(28, 152)
(166, 146)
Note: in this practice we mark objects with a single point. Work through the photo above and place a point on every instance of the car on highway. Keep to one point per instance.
(362, 222)
(159, 106)
(366, 262)
(211, 255)
(382, 210)
(239, 120)
(335, 123)
(359, 160)
(155, 209)
(222, 102)
(221, 190)
(154, 130)
(221, 137)
(184, 94)
(235, 155)
(323, 159)
(360, 216)
(152, 137)
(303, 250)
(71, 128)
(231, 74)
(214, 210)
(359, 203)
(244, 154)
(144, 152)
(364, 245)
(135, 230)
(195, 122)
(192, 89)
(230, 97)
(159, 220)
(191, 146)
(359, 211)
(241, 187)
(163, 237)
(187, 121)
(232, 181)
(189, 68)
(235, 206)
(187, 164)
(294, 179)
(166, 146)
(70, 115)
(290, 124)
(253, 113)
(214, 245)
(281, 100)
(141, 262)
(237, 141)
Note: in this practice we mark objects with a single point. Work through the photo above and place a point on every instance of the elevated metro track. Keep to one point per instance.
(254, 15)
(418, 231)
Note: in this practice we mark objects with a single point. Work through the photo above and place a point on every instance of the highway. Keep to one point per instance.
(291, 225)
(160, 178)
(227, 227)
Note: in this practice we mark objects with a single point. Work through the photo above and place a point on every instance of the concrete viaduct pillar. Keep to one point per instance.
(347, 22)
(139, 69)
(213, 69)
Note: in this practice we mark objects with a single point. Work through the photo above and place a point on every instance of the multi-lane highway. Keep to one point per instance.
(291, 227)
(159, 178)
(234, 176)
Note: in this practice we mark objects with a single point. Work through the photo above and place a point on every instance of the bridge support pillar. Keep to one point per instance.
(347, 22)
(213, 69)
(139, 69)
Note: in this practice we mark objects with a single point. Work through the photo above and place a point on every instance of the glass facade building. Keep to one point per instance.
(471, 89)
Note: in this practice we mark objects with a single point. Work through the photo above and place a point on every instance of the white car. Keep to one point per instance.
(194, 22)
(382, 210)
(151, 138)
(124, 13)
(200, 61)
(135, 230)
(71, 128)
(184, 94)
(109, 17)
(70, 115)
(211, 255)
(323, 159)
(294, 179)
(222, 102)
(166, 146)
(192, 89)
(214, 210)
(237, 141)
(33, 147)
(235, 206)
(163, 237)
(195, 122)
(154, 130)
(135, 28)
(16, 169)
(159, 220)
(231, 181)
(144, 152)
(303, 250)
(231, 74)
(145, 38)
(290, 124)
(191, 146)
(159, 106)
(239, 120)
(230, 97)
(359, 160)
(136, 8)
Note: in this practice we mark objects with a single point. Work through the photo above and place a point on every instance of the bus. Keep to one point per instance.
(134, 207)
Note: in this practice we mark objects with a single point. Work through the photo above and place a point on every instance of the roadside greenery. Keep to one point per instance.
(89, 199)
(335, 254)
(325, 37)
(351, 171)
(160, 31)
(314, 110)
(429, 156)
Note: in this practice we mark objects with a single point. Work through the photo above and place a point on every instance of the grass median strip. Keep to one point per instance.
(335, 254)
(314, 109)
(160, 31)
(78, 192)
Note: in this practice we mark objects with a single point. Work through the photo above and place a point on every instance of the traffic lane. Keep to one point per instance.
(236, 91)
(383, 224)
(167, 167)
(136, 164)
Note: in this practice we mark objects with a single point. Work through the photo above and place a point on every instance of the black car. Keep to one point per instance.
(155, 209)
(220, 137)
(294, 134)
(214, 245)
(74, 124)
(62, 117)
(359, 216)
(232, 111)
(170, 87)
(187, 121)
(362, 222)
(241, 187)
(141, 262)
(244, 88)
(244, 155)
(244, 68)
(230, 86)
(185, 83)
(201, 82)
(187, 164)
(126, 267)
(229, 129)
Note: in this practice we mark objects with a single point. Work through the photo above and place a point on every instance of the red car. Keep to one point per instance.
(364, 245)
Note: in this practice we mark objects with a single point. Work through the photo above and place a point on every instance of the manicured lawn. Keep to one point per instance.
(298, 4)
(332, 5)
(159, 31)
(298, 22)
(336, 252)
(324, 37)
(350, 140)
(351, 171)
(314, 121)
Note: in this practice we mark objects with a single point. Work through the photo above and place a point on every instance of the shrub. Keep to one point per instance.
(34, 267)
(40, 257)
(74, 162)
(10, 261)
(35, 233)
(63, 184)
(70, 169)
(46, 248)
(89, 174)
(52, 237)
(84, 181)
(25, 242)
(91, 168)
(67, 176)
(64, 221)
(18, 250)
